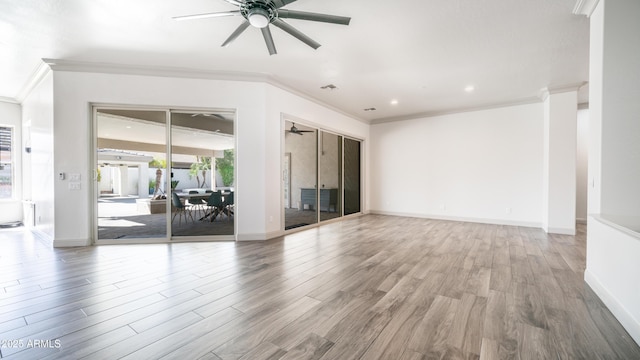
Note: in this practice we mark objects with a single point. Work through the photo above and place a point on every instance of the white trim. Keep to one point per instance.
(621, 313)
(585, 7)
(609, 221)
(110, 68)
(260, 237)
(558, 89)
(59, 243)
(35, 79)
(459, 218)
(561, 231)
(429, 114)
(8, 100)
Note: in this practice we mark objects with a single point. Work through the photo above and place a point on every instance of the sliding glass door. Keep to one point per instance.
(131, 174)
(352, 179)
(202, 174)
(301, 147)
(156, 171)
(330, 193)
(321, 175)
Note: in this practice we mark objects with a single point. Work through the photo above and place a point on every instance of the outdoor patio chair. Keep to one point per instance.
(197, 204)
(215, 205)
(180, 209)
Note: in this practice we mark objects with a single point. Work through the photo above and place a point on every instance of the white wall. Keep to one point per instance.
(37, 110)
(258, 132)
(613, 268)
(621, 110)
(482, 166)
(75, 91)
(613, 239)
(11, 209)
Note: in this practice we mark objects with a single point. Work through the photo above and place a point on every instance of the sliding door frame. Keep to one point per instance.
(168, 238)
(319, 128)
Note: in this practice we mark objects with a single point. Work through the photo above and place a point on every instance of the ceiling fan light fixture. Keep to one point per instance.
(258, 17)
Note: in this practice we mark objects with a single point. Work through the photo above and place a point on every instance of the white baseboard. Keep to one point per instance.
(460, 218)
(260, 237)
(59, 243)
(561, 231)
(631, 324)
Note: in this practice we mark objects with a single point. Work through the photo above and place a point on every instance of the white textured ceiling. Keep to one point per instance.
(421, 52)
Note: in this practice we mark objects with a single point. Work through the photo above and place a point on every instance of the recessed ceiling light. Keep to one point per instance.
(469, 88)
(128, 127)
(394, 102)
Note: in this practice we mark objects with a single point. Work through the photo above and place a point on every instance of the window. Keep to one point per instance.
(6, 163)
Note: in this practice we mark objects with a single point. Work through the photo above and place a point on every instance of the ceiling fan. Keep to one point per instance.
(295, 130)
(261, 13)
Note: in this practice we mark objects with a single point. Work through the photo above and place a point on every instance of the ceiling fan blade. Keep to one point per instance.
(207, 15)
(268, 39)
(234, 2)
(281, 3)
(296, 33)
(303, 15)
(236, 33)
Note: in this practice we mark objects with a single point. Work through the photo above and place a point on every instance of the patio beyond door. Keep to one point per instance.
(155, 172)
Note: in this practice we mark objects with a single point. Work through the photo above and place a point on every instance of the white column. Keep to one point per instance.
(123, 179)
(143, 180)
(560, 151)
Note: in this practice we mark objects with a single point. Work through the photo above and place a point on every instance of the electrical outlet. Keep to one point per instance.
(74, 186)
(508, 210)
(74, 177)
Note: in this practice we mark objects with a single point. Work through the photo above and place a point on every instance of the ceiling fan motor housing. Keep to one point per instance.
(259, 13)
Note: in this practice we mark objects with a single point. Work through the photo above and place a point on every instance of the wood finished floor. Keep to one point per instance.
(373, 287)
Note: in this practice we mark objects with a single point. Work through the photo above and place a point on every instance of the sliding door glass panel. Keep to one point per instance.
(330, 204)
(202, 173)
(301, 145)
(131, 147)
(351, 176)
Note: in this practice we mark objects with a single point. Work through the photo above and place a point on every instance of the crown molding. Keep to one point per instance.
(122, 69)
(9, 100)
(585, 7)
(429, 114)
(36, 77)
(160, 71)
(544, 93)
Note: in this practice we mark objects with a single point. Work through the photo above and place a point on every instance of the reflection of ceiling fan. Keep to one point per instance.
(261, 13)
(295, 130)
(216, 116)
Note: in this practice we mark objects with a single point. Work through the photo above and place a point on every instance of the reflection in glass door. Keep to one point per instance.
(301, 143)
(131, 174)
(321, 176)
(202, 174)
(330, 204)
(351, 176)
